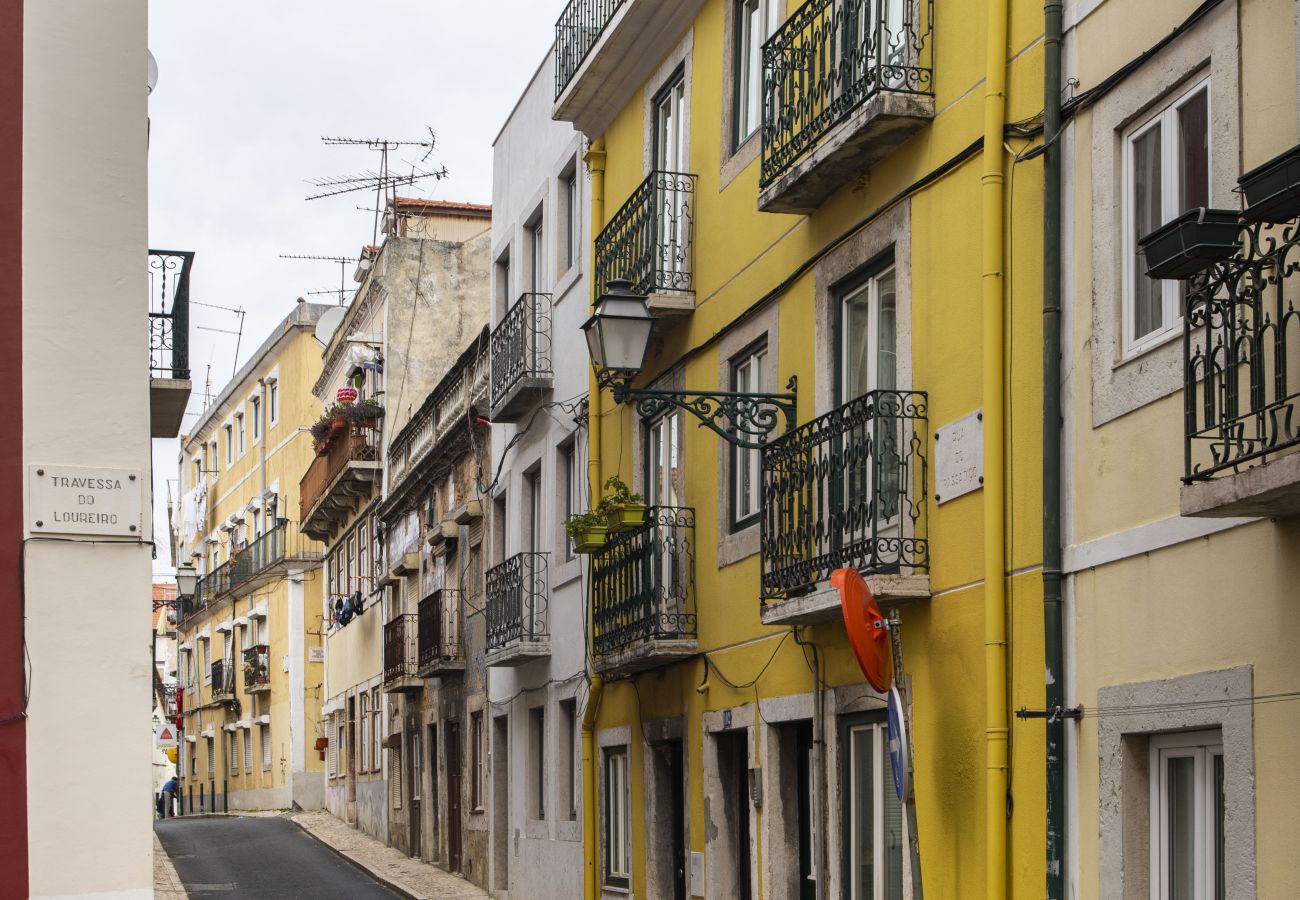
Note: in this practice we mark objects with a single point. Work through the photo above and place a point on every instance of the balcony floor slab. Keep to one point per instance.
(648, 654)
(518, 653)
(1270, 489)
(823, 604)
(403, 684)
(440, 667)
(521, 399)
(168, 398)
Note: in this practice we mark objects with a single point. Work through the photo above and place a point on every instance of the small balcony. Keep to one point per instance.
(257, 669)
(223, 681)
(401, 654)
(650, 241)
(338, 481)
(270, 556)
(846, 491)
(517, 594)
(846, 82)
(521, 358)
(169, 340)
(440, 646)
(643, 594)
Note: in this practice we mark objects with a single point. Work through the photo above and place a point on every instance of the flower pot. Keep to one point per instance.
(627, 518)
(590, 539)
(338, 424)
(322, 743)
(1191, 242)
(1272, 190)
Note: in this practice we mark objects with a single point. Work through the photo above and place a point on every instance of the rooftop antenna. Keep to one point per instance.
(343, 262)
(239, 334)
(383, 182)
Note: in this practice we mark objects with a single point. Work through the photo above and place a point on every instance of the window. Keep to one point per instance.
(340, 761)
(350, 583)
(571, 486)
(670, 126)
(416, 754)
(205, 651)
(239, 431)
(212, 456)
(475, 586)
(363, 557)
(537, 753)
(868, 336)
(537, 256)
(476, 786)
(248, 749)
(272, 402)
(873, 820)
(395, 777)
(617, 820)
(212, 756)
(1187, 806)
(256, 403)
(571, 239)
(663, 453)
(755, 22)
(198, 471)
(533, 496)
(503, 282)
(233, 745)
(376, 713)
(568, 794)
(1166, 172)
(365, 732)
(265, 735)
(230, 445)
(746, 376)
(451, 493)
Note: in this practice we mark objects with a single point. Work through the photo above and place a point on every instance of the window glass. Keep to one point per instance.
(670, 127)
(616, 822)
(663, 475)
(868, 352)
(1187, 803)
(747, 377)
(873, 815)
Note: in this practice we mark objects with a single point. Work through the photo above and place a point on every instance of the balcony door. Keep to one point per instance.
(671, 196)
(664, 488)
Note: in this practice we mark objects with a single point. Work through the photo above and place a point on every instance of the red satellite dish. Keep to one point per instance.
(866, 627)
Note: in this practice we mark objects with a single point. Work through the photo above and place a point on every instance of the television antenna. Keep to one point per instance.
(238, 333)
(343, 263)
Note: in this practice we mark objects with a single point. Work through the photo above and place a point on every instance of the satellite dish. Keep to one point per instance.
(328, 323)
(152, 70)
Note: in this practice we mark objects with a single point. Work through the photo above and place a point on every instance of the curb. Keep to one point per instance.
(394, 886)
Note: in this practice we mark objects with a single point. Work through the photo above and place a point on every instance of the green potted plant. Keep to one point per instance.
(364, 413)
(588, 531)
(621, 507)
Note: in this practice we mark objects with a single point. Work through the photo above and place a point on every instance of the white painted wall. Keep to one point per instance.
(86, 402)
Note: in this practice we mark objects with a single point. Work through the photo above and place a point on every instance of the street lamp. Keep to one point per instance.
(187, 579)
(618, 338)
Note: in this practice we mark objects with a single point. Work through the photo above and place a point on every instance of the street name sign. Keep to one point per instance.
(80, 500)
(959, 457)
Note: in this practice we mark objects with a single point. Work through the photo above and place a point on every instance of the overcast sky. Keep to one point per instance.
(246, 90)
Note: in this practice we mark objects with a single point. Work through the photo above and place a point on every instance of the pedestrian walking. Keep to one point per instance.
(170, 789)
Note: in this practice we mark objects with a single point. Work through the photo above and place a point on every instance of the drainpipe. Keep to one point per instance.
(818, 766)
(1053, 642)
(995, 598)
(261, 412)
(595, 159)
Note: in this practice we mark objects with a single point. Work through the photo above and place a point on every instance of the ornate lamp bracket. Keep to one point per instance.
(746, 420)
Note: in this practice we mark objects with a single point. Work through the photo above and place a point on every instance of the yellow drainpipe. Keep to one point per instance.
(595, 159)
(995, 599)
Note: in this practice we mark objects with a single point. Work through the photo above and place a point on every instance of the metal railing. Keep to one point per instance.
(223, 677)
(461, 389)
(1241, 351)
(257, 667)
(521, 344)
(439, 628)
(169, 313)
(517, 595)
(282, 543)
(828, 59)
(356, 444)
(643, 582)
(846, 491)
(650, 241)
(400, 647)
(576, 32)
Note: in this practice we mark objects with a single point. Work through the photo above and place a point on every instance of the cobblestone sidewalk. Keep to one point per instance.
(166, 884)
(394, 868)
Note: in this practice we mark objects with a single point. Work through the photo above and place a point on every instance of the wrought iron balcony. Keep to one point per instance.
(169, 339)
(223, 680)
(846, 491)
(650, 241)
(266, 558)
(521, 357)
(439, 642)
(643, 593)
(257, 669)
(518, 591)
(845, 82)
(337, 481)
(576, 32)
(401, 653)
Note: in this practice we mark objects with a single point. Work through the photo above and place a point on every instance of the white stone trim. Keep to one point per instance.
(1143, 539)
(680, 57)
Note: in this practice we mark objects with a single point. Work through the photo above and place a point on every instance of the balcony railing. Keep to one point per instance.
(439, 640)
(521, 345)
(257, 668)
(576, 32)
(651, 240)
(1241, 345)
(517, 593)
(846, 490)
(400, 647)
(223, 678)
(355, 445)
(249, 564)
(831, 57)
(169, 313)
(643, 582)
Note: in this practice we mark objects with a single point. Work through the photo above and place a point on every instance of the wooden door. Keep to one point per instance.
(453, 796)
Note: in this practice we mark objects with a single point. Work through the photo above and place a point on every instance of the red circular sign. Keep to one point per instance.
(865, 624)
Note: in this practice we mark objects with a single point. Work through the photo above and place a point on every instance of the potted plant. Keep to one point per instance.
(1272, 190)
(1191, 242)
(621, 508)
(365, 413)
(588, 531)
(254, 670)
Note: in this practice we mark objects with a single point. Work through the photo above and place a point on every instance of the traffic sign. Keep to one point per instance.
(900, 751)
(866, 627)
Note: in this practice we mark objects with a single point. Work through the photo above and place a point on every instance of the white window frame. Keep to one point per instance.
(212, 757)
(746, 503)
(229, 429)
(1166, 118)
(234, 752)
(255, 402)
(881, 781)
(272, 402)
(616, 823)
(571, 244)
(871, 286)
(248, 750)
(265, 735)
(1202, 747)
(748, 63)
(239, 432)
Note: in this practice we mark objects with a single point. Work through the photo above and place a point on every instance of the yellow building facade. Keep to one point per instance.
(251, 662)
(828, 197)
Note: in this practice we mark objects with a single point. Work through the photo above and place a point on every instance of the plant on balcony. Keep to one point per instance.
(255, 668)
(364, 414)
(331, 423)
(621, 507)
(1191, 243)
(588, 531)
(1273, 189)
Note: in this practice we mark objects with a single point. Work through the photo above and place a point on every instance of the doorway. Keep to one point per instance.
(667, 854)
(351, 758)
(453, 796)
(432, 744)
(415, 756)
(501, 803)
(731, 847)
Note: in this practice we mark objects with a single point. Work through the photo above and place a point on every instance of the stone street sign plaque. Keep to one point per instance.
(77, 500)
(959, 457)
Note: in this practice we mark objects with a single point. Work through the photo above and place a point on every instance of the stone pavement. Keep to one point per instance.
(166, 884)
(392, 867)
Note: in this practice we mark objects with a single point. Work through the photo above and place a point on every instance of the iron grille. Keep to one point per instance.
(521, 344)
(650, 241)
(576, 32)
(830, 58)
(169, 313)
(400, 637)
(846, 490)
(257, 667)
(643, 582)
(1241, 348)
(223, 677)
(279, 544)
(440, 628)
(517, 591)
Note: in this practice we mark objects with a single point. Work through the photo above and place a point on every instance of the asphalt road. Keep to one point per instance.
(260, 857)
